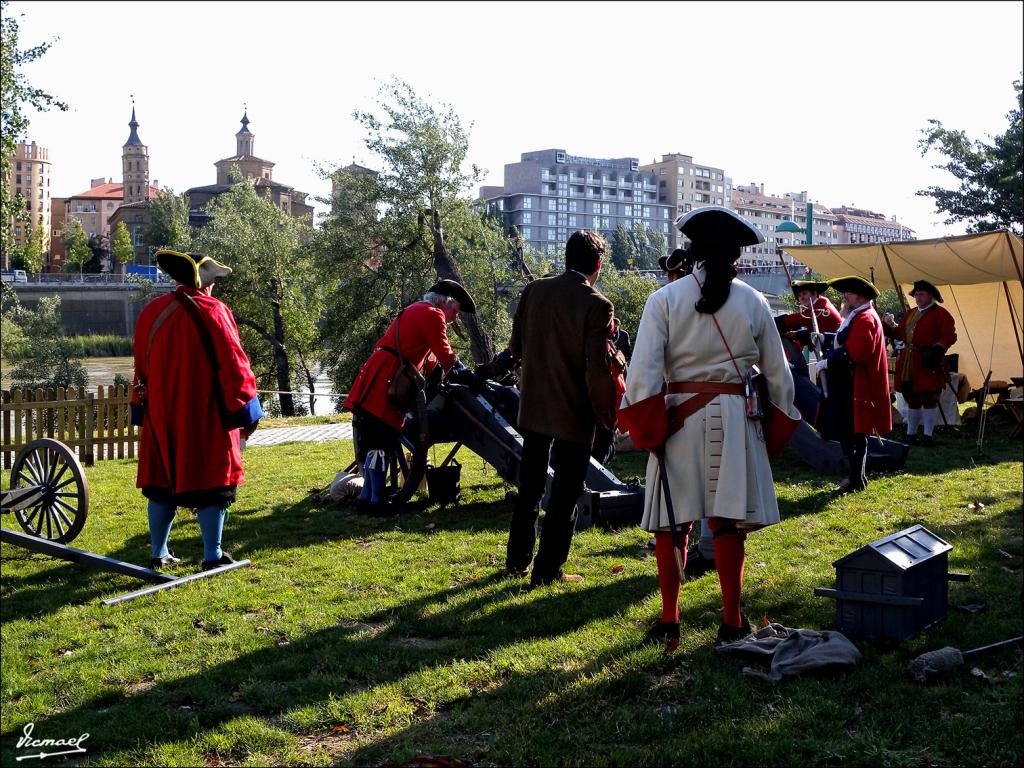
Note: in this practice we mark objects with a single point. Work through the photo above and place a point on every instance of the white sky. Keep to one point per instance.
(824, 97)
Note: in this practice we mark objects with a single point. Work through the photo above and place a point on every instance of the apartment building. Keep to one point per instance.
(29, 176)
(859, 225)
(549, 194)
(768, 212)
(686, 185)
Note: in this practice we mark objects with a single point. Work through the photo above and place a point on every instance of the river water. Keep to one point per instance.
(102, 370)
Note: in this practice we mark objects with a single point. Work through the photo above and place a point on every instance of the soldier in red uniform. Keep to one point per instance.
(418, 331)
(809, 293)
(194, 396)
(926, 331)
(858, 379)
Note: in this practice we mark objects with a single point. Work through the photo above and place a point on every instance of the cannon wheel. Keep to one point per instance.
(61, 512)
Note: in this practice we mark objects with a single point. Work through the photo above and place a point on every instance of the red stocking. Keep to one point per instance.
(668, 574)
(728, 542)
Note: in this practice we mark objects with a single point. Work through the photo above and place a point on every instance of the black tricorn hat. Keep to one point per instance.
(809, 285)
(715, 225)
(673, 262)
(191, 269)
(924, 285)
(854, 284)
(457, 292)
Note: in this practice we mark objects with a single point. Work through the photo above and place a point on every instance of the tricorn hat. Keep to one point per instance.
(673, 262)
(809, 285)
(191, 269)
(715, 225)
(457, 292)
(854, 284)
(924, 285)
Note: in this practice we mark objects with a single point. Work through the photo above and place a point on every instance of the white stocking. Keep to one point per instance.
(913, 420)
(930, 417)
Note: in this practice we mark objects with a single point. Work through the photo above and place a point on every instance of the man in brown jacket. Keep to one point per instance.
(560, 334)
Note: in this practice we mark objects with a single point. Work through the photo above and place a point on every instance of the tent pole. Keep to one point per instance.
(1013, 320)
(899, 291)
(1009, 247)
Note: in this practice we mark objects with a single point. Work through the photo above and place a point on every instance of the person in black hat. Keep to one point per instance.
(419, 330)
(195, 398)
(809, 298)
(675, 265)
(926, 332)
(858, 380)
(560, 335)
(698, 340)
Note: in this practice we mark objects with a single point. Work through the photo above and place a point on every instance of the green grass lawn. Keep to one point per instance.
(355, 640)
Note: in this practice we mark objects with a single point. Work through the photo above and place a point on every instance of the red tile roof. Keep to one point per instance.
(113, 191)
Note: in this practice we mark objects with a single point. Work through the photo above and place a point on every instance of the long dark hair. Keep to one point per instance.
(718, 265)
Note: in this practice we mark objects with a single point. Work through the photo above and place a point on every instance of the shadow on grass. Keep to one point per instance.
(354, 657)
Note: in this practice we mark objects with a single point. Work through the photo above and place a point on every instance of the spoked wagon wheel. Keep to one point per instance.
(58, 509)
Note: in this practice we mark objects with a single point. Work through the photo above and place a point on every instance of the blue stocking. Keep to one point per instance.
(161, 518)
(211, 524)
(375, 475)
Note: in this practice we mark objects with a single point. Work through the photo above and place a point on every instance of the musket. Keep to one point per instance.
(814, 324)
(677, 547)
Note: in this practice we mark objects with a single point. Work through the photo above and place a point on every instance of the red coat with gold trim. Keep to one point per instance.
(865, 347)
(935, 326)
(185, 445)
(423, 330)
(828, 317)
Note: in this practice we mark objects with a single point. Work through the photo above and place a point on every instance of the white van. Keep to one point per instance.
(14, 276)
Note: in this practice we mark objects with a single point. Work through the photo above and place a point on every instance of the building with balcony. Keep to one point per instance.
(686, 185)
(858, 225)
(28, 175)
(549, 194)
(768, 212)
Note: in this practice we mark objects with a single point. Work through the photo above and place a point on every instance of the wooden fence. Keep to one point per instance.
(94, 425)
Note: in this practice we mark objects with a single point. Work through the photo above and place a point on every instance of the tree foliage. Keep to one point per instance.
(274, 293)
(30, 255)
(991, 191)
(45, 355)
(628, 290)
(121, 244)
(623, 248)
(168, 225)
(379, 247)
(16, 93)
(78, 250)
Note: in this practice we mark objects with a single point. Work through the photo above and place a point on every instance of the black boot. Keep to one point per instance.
(666, 632)
(727, 633)
(225, 559)
(157, 563)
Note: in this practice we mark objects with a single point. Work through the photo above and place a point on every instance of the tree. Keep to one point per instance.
(991, 191)
(273, 291)
(122, 244)
(168, 224)
(392, 232)
(30, 256)
(628, 291)
(648, 245)
(623, 248)
(78, 248)
(15, 94)
(46, 357)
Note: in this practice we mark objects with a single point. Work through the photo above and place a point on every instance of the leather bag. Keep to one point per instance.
(407, 383)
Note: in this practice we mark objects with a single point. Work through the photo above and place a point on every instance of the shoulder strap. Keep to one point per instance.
(207, 340)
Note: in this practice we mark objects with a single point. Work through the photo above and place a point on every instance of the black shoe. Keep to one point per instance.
(225, 559)
(927, 441)
(911, 440)
(377, 508)
(157, 563)
(664, 632)
(697, 564)
(727, 633)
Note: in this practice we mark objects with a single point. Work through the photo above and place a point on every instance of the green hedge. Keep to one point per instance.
(95, 345)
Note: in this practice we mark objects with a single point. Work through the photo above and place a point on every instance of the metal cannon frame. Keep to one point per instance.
(484, 423)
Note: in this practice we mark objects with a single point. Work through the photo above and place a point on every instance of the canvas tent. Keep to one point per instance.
(979, 277)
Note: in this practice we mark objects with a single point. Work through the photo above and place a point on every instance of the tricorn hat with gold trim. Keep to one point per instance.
(854, 284)
(191, 269)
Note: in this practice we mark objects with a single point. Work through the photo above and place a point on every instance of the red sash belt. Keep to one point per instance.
(705, 392)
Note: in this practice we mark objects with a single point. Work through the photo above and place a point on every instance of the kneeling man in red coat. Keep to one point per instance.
(194, 397)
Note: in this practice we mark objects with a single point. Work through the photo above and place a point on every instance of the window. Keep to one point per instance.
(664, 172)
(597, 222)
(527, 202)
(526, 232)
(18, 164)
(28, 166)
(17, 179)
(627, 210)
(572, 206)
(551, 220)
(552, 234)
(527, 218)
(572, 221)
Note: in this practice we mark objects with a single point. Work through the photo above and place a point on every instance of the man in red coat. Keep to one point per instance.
(421, 329)
(194, 395)
(858, 379)
(808, 294)
(926, 331)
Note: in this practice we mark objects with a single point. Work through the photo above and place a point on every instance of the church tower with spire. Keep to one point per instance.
(244, 162)
(135, 164)
(244, 138)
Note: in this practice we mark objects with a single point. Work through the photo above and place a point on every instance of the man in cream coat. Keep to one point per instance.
(699, 337)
